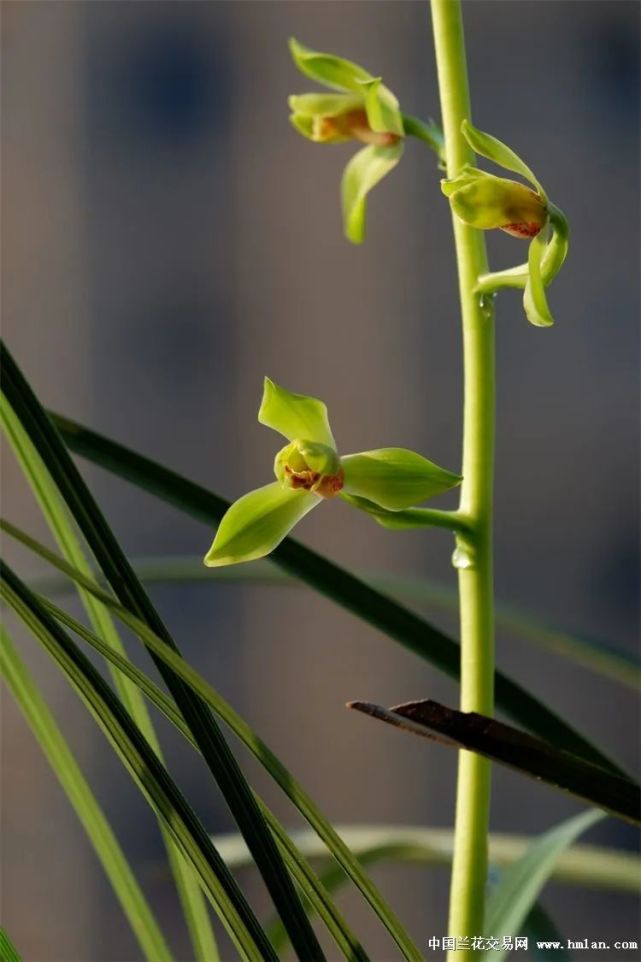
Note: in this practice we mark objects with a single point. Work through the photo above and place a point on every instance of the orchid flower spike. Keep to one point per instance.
(309, 471)
(358, 108)
(487, 202)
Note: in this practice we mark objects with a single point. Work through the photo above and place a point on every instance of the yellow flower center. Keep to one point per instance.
(309, 466)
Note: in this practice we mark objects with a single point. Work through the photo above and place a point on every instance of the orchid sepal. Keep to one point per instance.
(257, 523)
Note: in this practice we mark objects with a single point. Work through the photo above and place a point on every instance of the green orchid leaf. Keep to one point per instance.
(256, 523)
(534, 299)
(511, 901)
(324, 105)
(326, 69)
(395, 478)
(363, 172)
(494, 149)
(295, 416)
(382, 108)
(8, 951)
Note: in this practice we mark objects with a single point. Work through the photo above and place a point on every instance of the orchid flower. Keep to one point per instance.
(359, 108)
(310, 471)
(487, 202)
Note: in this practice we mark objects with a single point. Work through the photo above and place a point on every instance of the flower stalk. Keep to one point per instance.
(473, 556)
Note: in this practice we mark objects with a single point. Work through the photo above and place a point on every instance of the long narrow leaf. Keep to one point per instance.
(317, 893)
(298, 865)
(374, 844)
(60, 757)
(516, 749)
(540, 927)
(590, 653)
(583, 865)
(301, 870)
(333, 879)
(131, 593)
(538, 923)
(8, 951)
(513, 898)
(191, 897)
(336, 583)
(146, 770)
(241, 729)
(589, 866)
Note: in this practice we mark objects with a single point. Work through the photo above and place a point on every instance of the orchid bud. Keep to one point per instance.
(487, 202)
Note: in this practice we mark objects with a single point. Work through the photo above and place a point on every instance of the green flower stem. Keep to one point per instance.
(474, 551)
(515, 277)
(410, 517)
(429, 133)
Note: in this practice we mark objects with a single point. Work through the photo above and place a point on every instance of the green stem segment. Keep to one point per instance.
(473, 556)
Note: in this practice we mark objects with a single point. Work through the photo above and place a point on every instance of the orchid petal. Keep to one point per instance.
(334, 72)
(485, 202)
(534, 299)
(494, 149)
(363, 172)
(395, 478)
(295, 415)
(383, 111)
(324, 105)
(257, 523)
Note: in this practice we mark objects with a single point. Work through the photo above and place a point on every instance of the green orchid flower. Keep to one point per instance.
(487, 202)
(309, 471)
(361, 108)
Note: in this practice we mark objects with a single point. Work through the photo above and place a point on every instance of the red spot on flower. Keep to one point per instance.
(522, 230)
(301, 480)
(330, 485)
(354, 124)
(325, 486)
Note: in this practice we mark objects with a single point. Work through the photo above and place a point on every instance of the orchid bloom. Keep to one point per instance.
(310, 471)
(486, 202)
(359, 108)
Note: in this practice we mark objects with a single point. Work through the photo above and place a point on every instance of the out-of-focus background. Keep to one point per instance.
(167, 241)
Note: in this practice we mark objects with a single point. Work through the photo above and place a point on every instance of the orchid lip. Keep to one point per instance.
(307, 466)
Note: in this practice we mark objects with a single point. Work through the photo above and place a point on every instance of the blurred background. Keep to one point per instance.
(167, 241)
